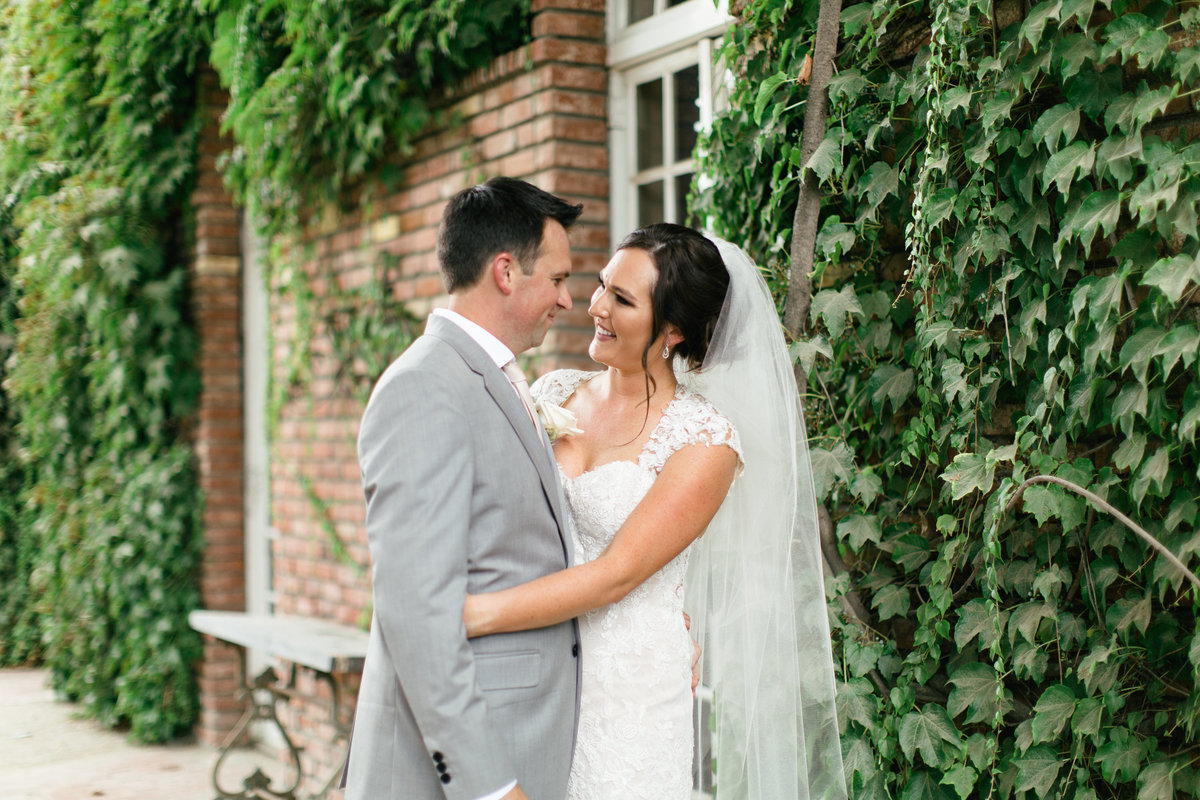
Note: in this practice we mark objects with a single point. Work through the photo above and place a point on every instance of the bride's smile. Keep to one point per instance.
(623, 312)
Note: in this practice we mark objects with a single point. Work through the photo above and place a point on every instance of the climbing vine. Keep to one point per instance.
(99, 502)
(1007, 286)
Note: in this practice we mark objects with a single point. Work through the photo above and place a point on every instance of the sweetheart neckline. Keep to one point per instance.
(563, 473)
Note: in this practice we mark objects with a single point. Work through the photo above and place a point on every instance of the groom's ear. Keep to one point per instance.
(503, 269)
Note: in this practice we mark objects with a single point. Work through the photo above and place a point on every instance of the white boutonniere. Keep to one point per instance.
(557, 420)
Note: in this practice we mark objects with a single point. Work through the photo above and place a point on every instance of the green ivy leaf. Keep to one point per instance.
(1121, 756)
(806, 351)
(1122, 34)
(858, 757)
(832, 307)
(1047, 501)
(1061, 121)
(1026, 618)
(889, 382)
(1138, 349)
(1099, 211)
(1038, 770)
(879, 181)
(1077, 157)
(831, 467)
(974, 691)
(1156, 782)
(835, 238)
(1153, 473)
(855, 18)
(866, 487)
(962, 780)
(892, 600)
(968, 472)
(1077, 9)
(1172, 276)
(1180, 345)
(1035, 21)
(1186, 67)
(1129, 454)
(856, 701)
(1050, 715)
(1089, 712)
(975, 620)
(1115, 154)
(846, 86)
(766, 92)
(858, 529)
(928, 731)
(827, 158)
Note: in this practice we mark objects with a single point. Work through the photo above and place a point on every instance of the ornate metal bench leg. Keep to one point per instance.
(257, 786)
(341, 733)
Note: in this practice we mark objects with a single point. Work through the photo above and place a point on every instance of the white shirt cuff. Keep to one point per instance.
(496, 795)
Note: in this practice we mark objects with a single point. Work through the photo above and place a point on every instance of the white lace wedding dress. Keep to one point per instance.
(635, 719)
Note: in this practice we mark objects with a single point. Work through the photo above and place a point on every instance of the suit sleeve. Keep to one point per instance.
(415, 455)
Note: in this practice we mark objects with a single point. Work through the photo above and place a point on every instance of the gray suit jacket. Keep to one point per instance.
(462, 497)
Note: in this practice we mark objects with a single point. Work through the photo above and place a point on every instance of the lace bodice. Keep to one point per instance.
(635, 729)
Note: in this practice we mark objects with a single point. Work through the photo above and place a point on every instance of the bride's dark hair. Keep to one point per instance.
(689, 290)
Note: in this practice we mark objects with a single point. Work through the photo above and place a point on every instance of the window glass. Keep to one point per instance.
(650, 124)
(687, 111)
(650, 203)
(640, 10)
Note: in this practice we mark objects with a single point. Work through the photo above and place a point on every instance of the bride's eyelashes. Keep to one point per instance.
(616, 293)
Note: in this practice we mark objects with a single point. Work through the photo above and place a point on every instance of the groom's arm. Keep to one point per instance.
(415, 455)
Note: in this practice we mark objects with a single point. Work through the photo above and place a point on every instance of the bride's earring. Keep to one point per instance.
(666, 351)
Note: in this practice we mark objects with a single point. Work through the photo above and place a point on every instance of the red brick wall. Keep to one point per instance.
(216, 305)
(539, 114)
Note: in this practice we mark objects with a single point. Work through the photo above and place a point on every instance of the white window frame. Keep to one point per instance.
(660, 45)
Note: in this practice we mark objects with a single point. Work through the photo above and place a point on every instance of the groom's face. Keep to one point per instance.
(538, 297)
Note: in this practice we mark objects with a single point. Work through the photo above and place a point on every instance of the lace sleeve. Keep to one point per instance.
(557, 386)
(689, 419)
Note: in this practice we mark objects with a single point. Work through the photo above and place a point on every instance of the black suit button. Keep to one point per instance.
(446, 777)
(438, 757)
(575, 650)
(441, 767)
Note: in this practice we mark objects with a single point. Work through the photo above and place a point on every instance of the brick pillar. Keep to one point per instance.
(216, 306)
(570, 112)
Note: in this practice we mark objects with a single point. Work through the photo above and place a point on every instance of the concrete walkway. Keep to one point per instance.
(48, 753)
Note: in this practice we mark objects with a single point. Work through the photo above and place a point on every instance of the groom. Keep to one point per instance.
(462, 496)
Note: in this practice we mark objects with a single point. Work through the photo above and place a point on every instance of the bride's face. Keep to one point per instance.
(621, 310)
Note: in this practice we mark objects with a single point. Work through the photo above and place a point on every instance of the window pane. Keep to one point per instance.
(682, 184)
(687, 112)
(650, 203)
(640, 9)
(649, 124)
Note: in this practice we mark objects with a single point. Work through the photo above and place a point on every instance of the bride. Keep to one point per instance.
(690, 459)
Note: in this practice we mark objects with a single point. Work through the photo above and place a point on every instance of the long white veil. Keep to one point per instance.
(754, 585)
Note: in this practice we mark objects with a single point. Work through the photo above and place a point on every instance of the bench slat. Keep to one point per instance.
(320, 644)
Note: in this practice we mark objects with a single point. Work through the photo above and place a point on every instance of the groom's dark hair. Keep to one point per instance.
(500, 215)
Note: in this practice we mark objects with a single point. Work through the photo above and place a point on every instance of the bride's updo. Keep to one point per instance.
(690, 289)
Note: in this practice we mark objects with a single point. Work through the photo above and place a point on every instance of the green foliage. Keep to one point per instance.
(322, 94)
(1007, 285)
(97, 139)
(99, 506)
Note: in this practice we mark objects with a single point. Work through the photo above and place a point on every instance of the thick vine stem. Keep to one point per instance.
(1104, 505)
(808, 205)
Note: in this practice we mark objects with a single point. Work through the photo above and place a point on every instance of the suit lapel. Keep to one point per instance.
(533, 438)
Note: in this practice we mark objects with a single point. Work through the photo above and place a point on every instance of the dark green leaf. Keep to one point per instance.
(1053, 709)
(766, 92)
(1061, 121)
(967, 473)
(1038, 770)
(928, 731)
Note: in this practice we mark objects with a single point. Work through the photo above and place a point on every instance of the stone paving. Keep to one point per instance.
(47, 752)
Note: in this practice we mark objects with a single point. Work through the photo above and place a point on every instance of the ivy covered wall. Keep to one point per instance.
(1008, 286)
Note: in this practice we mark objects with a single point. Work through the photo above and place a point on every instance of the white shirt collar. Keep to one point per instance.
(496, 349)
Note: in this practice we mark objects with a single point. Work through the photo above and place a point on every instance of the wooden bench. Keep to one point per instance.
(325, 647)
